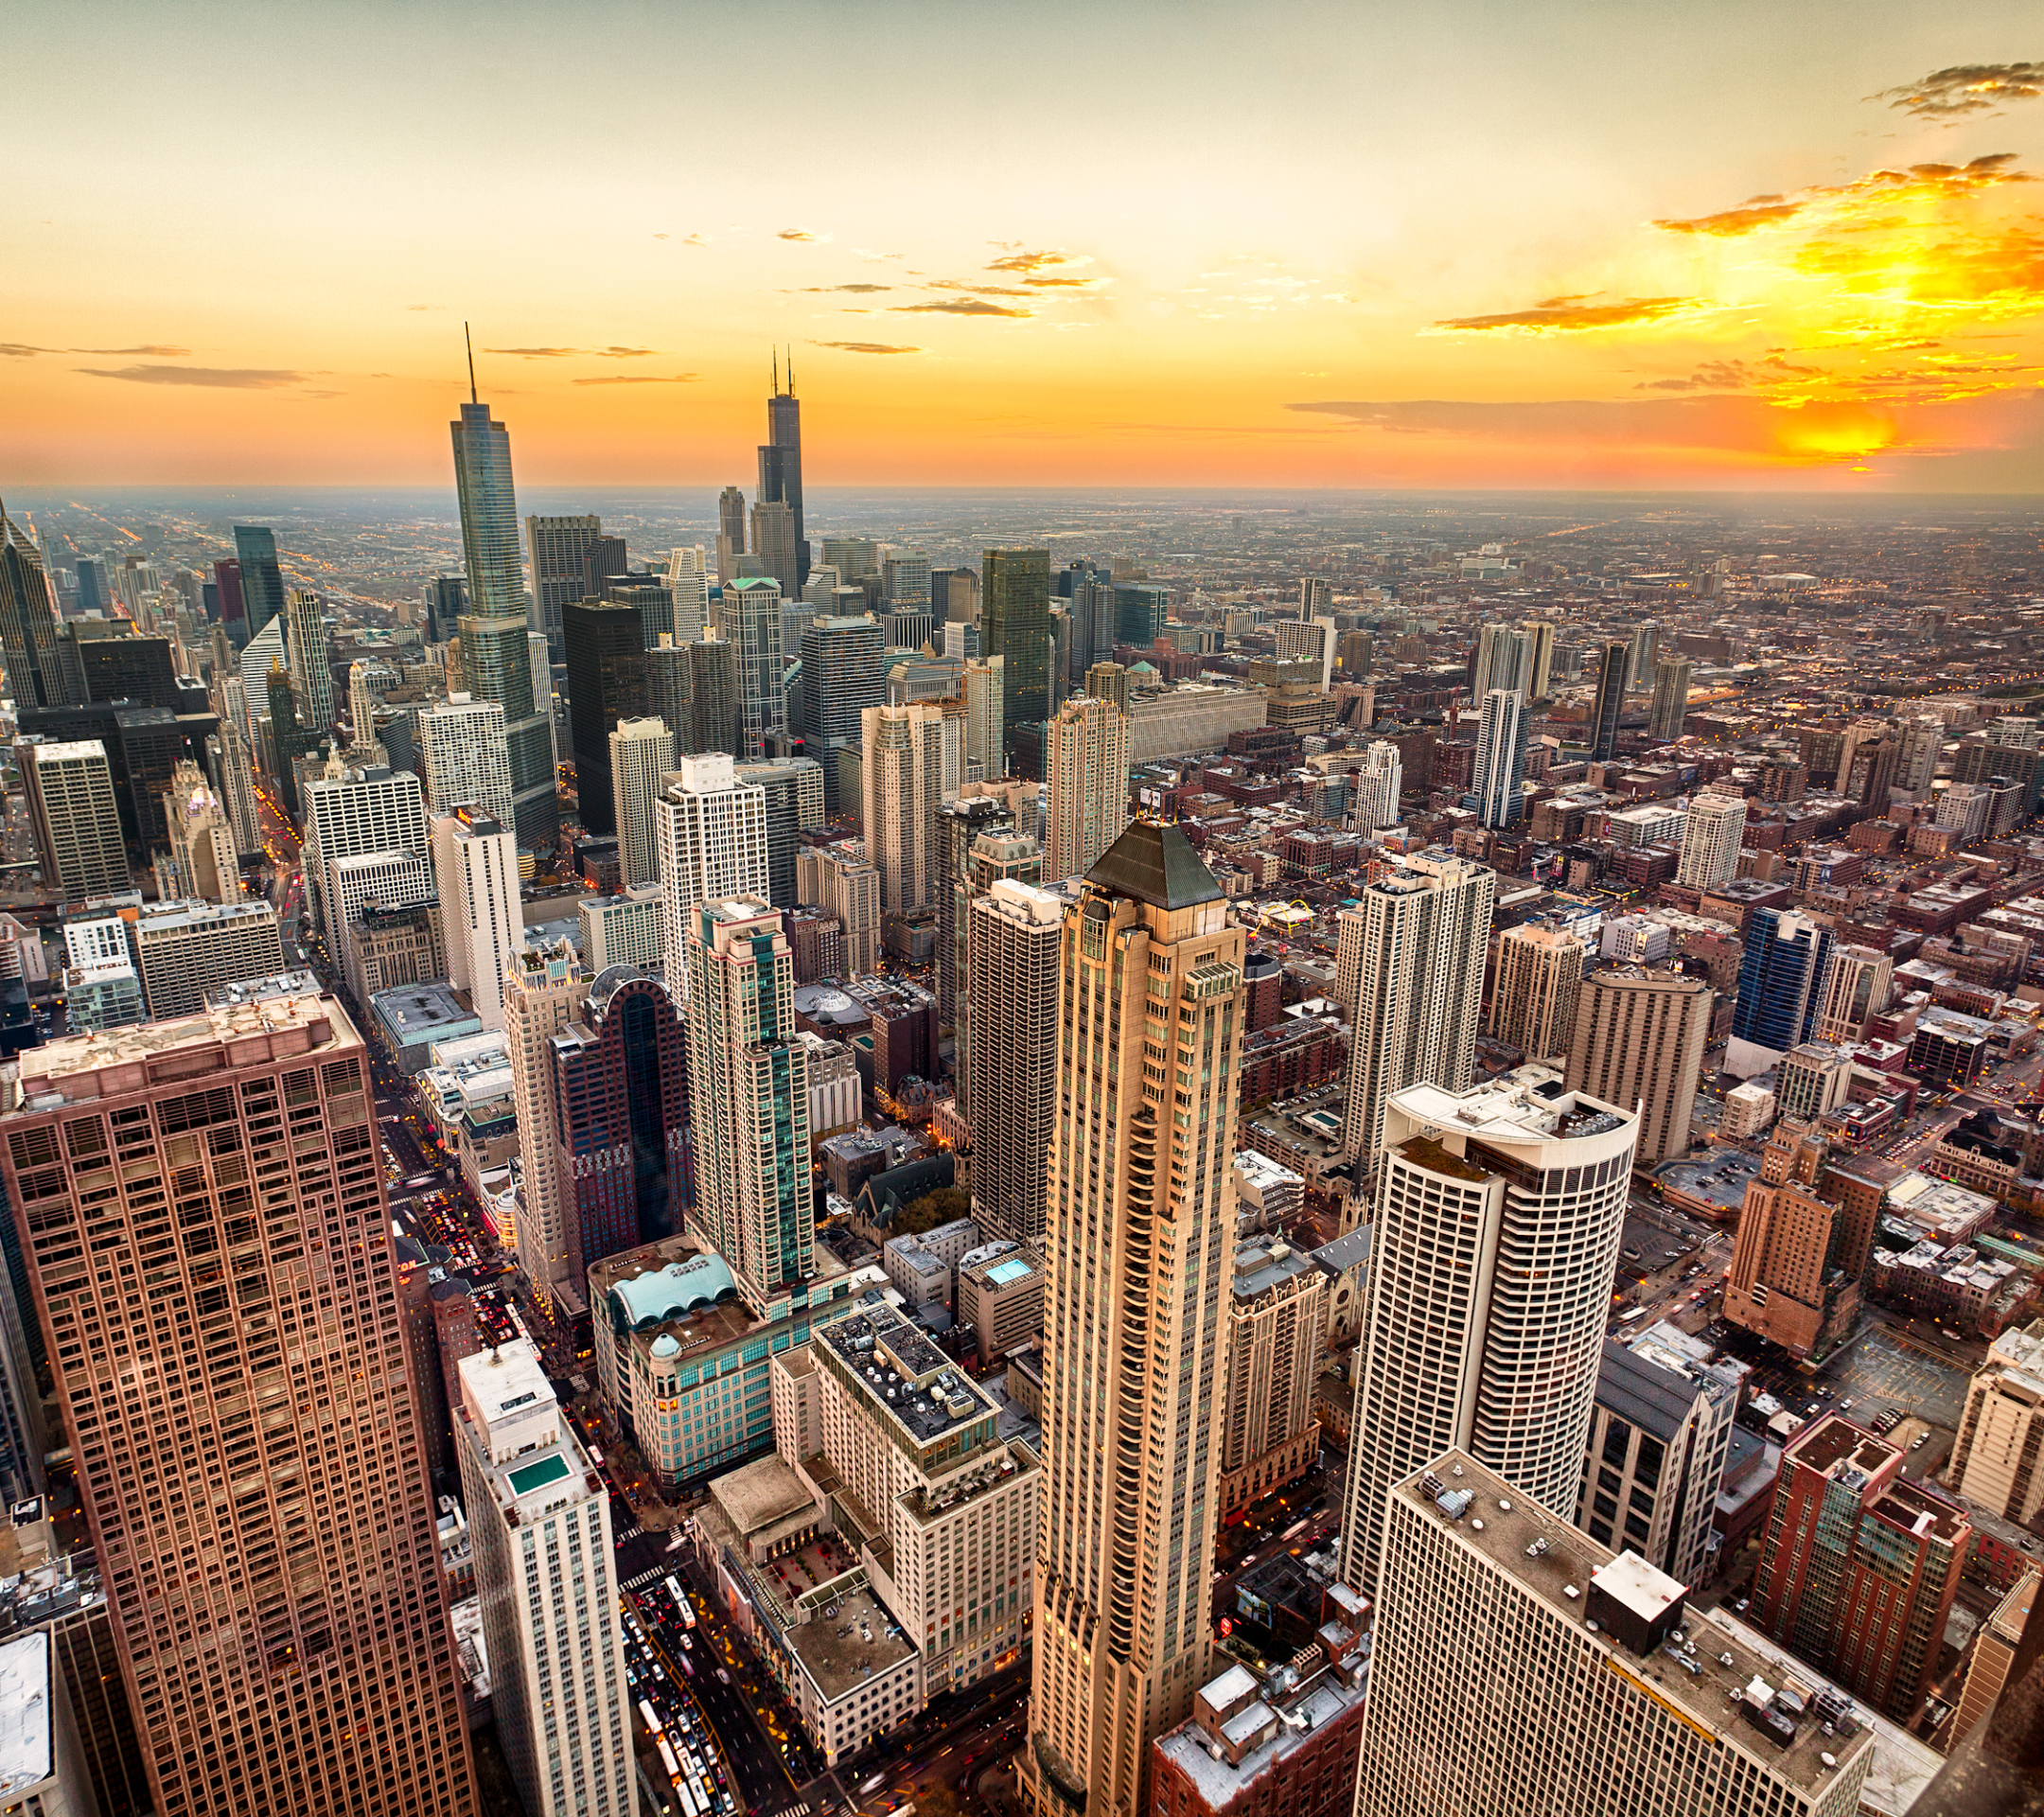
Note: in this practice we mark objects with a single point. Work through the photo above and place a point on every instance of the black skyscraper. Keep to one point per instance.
(607, 681)
(780, 461)
(28, 624)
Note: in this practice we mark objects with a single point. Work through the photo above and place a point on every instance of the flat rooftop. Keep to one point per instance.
(27, 1755)
(903, 1375)
(849, 1643)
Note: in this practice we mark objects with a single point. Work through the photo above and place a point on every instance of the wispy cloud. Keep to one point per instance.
(216, 378)
(804, 234)
(1021, 261)
(576, 353)
(22, 350)
(640, 379)
(1966, 88)
(1880, 189)
(854, 289)
(866, 346)
(958, 306)
(1571, 315)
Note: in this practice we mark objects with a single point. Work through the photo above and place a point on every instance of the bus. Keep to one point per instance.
(650, 1717)
(682, 1606)
(690, 1807)
(418, 1182)
(668, 1760)
(1638, 1312)
(683, 1660)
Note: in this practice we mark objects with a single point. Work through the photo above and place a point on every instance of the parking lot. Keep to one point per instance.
(1876, 1371)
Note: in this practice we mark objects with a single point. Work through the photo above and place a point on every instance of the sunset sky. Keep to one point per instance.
(1576, 245)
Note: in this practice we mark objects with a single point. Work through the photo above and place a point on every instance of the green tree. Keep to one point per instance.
(934, 1207)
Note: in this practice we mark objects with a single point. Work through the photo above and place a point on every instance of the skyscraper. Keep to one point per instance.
(1644, 653)
(750, 1085)
(464, 756)
(903, 773)
(442, 601)
(1012, 936)
(749, 619)
(774, 546)
(489, 517)
(351, 813)
(1639, 1038)
(1610, 704)
(731, 533)
(1090, 786)
(1781, 971)
(202, 843)
(688, 581)
(983, 687)
(642, 752)
(1539, 977)
(496, 664)
(840, 661)
(606, 683)
(28, 625)
(1856, 985)
(312, 673)
(543, 996)
(558, 546)
(1501, 759)
(69, 792)
(794, 790)
(712, 843)
(260, 574)
(1801, 1250)
(229, 751)
(1994, 1459)
(1014, 624)
(958, 823)
(475, 864)
(187, 952)
(1711, 836)
(540, 1525)
(1498, 1214)
(1670, 697)
(208, 1496)
(1377, 785)
(780, 471)
(1419, 939)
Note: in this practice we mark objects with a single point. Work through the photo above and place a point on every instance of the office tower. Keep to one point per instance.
(558, 547)
(1859, 1565)
(606, 683)
(69, 791)
(1610, 703)
(903, 773)
(363, 698)
(1276, 1314)
(620, 930)
(794, 787)
(1711, 836)
(543, 996)
(1088, 788)
(1311, 642)
(642, 752)
(904, 579)
(716, 701)
(1141, 611)
(750, 1085)
(1014, 624)
(264, 653)
(958, 823)
(1140, 1253)
(229, 609)
(28, 624)
(983, 686)
(1420, 936)
(1639, 1039)
(1658, 1437)
(261, 575)
(1670, 698)
(840, 662)
(475, 864)
(1785, 962)
(442, 601)
(1800, 1252)
(1012, 939)
(774, 547)
(489, 517)
(229, 751)
(95, 589)
(838, 879)
(349, 813)
(781, 475)
(670, 689)
(1501, 759)
(621, 1078)
(731, 533)
(712, 842)
(749, 619)
(1811, 1080)
(1315, 596)
(1856, 985)
(854, 557)
(338, 1689)
(1574, 1701)
(1994, 1460)
(463, 756)
(186, 951)
(539, 1528)
(202, 845)
(1375, 802)
(497, 665)
(1540, 974)
(1644, 653)
(1499, 1210)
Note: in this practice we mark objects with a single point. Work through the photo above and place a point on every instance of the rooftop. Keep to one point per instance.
(848, 1641)
(1266, 1264)
(1654, 1399)
(1156, 864)
(27, 1755)
(905, 1376)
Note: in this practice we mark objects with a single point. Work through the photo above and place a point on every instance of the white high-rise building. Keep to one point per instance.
(1376, 784)
(748, 1083)
(1517, 1666)
(1709, 846)
(540, 1523)
(688, 580)
(1417, 953)
(1856, 985)
(982, 685)
(543, 996)
(542, 693)
(712, 842)
(1012, 935)
(1088, 762)
(1500, 758)
(203, 844)
(642, 752)
(228, 749)
(311, 676)
(623, 929)
(904, 785)
(463, 751)
(187, 949)
(367, 683)
(475, 863)
(349, 812)
(69, 789)
(1498, 1215)
(1646, 652)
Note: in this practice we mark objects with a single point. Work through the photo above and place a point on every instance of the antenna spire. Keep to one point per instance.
(791, 369)
(777, 372)
(471, 345)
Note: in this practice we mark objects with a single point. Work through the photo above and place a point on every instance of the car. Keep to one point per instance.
(1918, 1442)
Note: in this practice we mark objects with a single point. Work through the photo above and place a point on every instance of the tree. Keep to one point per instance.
(934, 1207)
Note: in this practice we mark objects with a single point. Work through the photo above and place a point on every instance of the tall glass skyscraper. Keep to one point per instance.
(28, 625)
(779, 464)
(1779, 993)
(497, 665)
(1014, 622)
(488, 516)
(262, 579)
(748, 618)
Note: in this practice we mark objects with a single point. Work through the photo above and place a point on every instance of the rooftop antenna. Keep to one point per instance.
(777, 372)
(791, 369)
(471, 345)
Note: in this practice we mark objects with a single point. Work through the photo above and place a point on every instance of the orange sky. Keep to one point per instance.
(1290, 245)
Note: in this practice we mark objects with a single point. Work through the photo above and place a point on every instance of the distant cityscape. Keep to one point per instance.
(1103, 1155)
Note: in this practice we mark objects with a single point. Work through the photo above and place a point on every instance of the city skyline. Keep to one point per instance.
(1751, 276)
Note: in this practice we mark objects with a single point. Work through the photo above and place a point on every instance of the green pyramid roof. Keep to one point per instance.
(1156, 864)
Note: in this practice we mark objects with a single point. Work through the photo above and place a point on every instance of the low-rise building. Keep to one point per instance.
(620, 930)
(1000, 1296)
(1277, 1318)
(1281, 1747)
(1267, 1195)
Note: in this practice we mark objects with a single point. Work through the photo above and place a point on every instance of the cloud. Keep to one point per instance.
(1966, 88)
(537, 353)
(1713, 375)
(1030, 262)
(640, 379)
(659, 236)
(1064, 283)
(1884, 188)
(975, 289)
(417, 309)
(866, 346)
(802, 233)
(695, 239)
(20, 351)
(855, 289)
(611, 352)
(614, 352)
(1572, 315)
(1761, 211)
(216, 378)
(958, 306)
